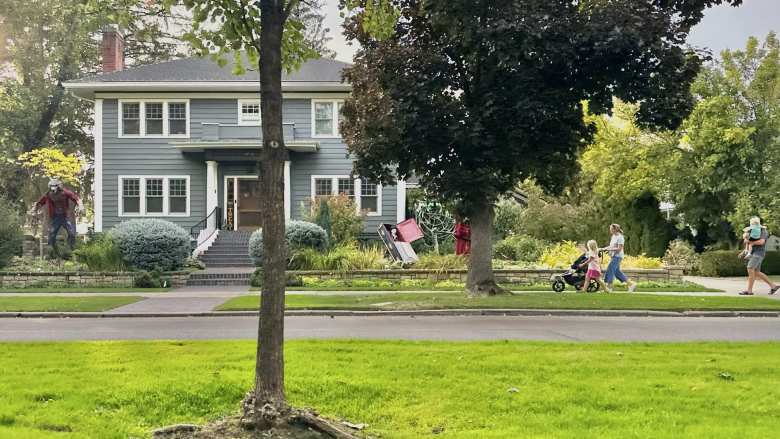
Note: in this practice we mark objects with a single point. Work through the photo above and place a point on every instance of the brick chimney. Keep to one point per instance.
(113, 49)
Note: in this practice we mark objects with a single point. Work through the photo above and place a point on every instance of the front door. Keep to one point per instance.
(243, 203)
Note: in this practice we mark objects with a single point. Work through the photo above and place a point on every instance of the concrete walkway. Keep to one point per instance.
(732, 285)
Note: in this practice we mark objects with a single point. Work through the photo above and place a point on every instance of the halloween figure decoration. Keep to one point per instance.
(61, 213)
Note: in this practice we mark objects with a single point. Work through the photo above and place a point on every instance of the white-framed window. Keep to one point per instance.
(248, 112)
(366, 195)
(325, 117)
(370, 200)
(154, 195)
(157, 118)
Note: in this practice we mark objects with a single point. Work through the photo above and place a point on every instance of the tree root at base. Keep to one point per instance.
(485, 288)
(272, 423)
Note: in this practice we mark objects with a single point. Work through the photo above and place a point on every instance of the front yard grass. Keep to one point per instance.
(387, 285)
(444, 300)
(63, 304)
(72, 290)
(402, 390)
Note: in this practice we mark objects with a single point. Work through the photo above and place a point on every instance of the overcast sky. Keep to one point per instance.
(723, 27)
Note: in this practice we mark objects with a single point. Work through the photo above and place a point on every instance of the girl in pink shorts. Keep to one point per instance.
(594, 267)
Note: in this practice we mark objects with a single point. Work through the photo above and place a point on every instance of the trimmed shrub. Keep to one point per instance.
(10, 234)
(681, 254)
(145, 279)
(152, 244)
(519, 248)
(323, 218)
(100, 254)
(300, 235)
(256, 247)
(303, 234)
(725, 263)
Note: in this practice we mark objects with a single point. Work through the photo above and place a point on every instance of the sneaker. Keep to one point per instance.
(632, 287)
(772, 291)
(608, 290)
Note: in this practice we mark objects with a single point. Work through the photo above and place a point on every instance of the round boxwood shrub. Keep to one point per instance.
(152, 244)
(298, 234)
(303, 234)
(10, 234)
(256, 247)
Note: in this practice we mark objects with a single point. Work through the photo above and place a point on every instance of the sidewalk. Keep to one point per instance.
(732, 285)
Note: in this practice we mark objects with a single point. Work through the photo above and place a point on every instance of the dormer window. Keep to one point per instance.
(248, 112)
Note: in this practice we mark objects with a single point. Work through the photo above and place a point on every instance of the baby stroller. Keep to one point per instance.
(575, 277)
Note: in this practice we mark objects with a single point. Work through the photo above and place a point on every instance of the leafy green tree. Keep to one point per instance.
(270, 35)
(474, 96)
(46, 44)
(731, 148)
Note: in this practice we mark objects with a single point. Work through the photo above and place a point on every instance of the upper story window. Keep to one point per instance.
(326, 115)
(160, 118)
(248, 112)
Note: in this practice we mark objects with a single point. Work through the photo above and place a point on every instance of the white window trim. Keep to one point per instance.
(142, 193)
(358, 188)
(249, 123)
(337, 103)
(142, 122)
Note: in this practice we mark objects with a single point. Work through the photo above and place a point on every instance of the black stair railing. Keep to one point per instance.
(207, 227)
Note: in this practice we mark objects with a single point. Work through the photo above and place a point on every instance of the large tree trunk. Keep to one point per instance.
(480, 280)
(269, 371)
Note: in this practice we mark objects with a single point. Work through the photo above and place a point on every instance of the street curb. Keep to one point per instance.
(421, 313)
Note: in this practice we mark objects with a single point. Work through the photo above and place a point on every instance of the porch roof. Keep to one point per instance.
(219, 136)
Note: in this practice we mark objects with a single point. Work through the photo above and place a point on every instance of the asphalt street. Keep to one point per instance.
(661, 329)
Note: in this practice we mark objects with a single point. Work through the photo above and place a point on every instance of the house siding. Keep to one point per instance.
(156, 157)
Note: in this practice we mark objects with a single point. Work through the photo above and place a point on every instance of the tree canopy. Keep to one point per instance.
(48, 43)
(472, 97)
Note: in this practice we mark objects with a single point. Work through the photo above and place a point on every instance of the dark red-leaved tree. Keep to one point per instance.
(472, 96)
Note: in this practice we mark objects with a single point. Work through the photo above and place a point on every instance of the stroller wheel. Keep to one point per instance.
(558, 286)
(593, 287)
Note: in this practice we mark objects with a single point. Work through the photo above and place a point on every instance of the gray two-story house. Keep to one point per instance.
(179, 140)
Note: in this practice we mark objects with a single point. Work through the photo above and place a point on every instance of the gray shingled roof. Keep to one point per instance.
(206, 70)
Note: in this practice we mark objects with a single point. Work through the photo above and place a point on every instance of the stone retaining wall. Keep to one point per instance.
(529, 276)
(81, 279)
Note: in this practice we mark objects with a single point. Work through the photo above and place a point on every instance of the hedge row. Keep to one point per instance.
(725, 263)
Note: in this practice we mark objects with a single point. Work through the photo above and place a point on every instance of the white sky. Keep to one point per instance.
(722, 27)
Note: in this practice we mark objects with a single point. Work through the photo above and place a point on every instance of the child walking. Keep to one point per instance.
(594, 267)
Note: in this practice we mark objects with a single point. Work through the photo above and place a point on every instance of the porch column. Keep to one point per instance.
(400, 201)
(212, 195)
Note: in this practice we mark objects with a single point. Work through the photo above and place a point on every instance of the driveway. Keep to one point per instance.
(660, 329)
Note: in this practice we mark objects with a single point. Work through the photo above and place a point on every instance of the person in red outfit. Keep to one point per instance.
(462, 236)
(58, 199)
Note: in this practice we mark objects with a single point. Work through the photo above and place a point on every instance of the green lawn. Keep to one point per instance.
(63, 304)
(444, 300)
(380, 285)
(100, 290)
(402, 390)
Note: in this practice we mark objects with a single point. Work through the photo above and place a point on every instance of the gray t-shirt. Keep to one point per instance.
(614, 242)
(760, 250)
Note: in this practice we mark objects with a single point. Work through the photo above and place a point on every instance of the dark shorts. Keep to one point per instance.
(755, 262)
